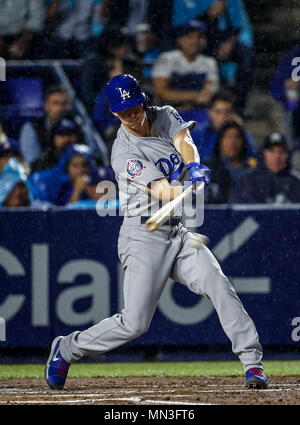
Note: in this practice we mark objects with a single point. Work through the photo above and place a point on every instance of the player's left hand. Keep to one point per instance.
(198, 173)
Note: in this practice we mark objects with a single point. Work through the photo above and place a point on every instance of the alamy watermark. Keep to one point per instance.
(296, 331)
(2, 329)
(2, 69)
(133, 204)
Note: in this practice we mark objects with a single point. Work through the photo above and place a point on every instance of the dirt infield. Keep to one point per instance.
(147, 391)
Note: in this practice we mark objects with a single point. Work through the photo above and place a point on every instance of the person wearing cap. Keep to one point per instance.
(184, 76)
(229, 39)
(273, 181)
(65, 132)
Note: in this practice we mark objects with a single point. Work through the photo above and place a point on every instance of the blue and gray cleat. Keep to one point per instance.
(57, 367)
(255, 378)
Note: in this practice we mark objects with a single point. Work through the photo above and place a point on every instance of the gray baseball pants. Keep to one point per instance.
(149, 259)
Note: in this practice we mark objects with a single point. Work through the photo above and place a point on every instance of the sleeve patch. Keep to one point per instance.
(134, 168)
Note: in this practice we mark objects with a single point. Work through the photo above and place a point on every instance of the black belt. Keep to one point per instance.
(173, 221)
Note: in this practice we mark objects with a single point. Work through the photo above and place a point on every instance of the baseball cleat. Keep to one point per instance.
(255, 378)
(57, 367)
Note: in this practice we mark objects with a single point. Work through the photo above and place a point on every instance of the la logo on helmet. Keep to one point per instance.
(124, 94)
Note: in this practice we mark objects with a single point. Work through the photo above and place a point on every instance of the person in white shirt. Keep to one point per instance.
(185, 77)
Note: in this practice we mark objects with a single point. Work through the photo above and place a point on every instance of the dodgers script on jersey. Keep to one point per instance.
(139, 160)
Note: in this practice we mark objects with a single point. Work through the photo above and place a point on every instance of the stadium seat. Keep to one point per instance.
(22, 96)
(21, 99)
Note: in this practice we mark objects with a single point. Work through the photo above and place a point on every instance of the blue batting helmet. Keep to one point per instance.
(123, 92)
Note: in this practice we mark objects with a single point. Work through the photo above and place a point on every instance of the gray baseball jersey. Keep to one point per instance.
(139, 160)
(149, 259)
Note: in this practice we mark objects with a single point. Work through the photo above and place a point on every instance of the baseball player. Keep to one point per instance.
(154, 147)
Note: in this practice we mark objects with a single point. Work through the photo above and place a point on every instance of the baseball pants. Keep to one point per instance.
(149, 259)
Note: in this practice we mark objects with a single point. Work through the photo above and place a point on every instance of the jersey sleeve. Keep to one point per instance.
(136, 170)
(172, 123)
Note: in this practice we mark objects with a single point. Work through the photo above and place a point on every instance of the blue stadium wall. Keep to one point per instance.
(59, 272)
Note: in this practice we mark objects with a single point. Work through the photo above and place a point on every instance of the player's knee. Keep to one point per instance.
(135, 327)
(137, 331)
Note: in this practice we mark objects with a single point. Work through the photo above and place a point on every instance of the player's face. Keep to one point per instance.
(132, 118)
(275, 158)
(220, 112)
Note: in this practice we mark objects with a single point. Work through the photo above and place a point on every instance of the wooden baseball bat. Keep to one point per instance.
(165, 212)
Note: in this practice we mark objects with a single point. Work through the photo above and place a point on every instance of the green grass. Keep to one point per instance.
(283, 368)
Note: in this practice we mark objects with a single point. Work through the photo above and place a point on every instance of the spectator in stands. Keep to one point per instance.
(65, 132)
(20, 23)
(9, 148)
(14, 188)
(77, 165)
(273, 181)
(73, 179)
(221, 109)
(230, 161)
(35, 136)
(229, 39)
(184, 76)
(132, 13)
(112, 52)
(286, 89)
(70, 27)
(147, 47)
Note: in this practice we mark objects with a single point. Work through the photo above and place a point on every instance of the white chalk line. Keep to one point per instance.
(71, 395)
(82, 397)
(133, 399)
(47, 401)
(238, 391)
(236, 385)
(177, 402)
(83, 394)
(24, 390)
(66, 393)
(96, 395)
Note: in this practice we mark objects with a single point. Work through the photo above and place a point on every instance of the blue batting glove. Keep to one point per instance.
(198, 173)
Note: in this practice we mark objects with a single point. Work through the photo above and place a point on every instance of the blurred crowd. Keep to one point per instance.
(197, 56)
